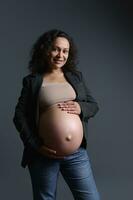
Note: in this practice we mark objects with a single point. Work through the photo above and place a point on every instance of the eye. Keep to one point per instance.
(54, 49)
(65, 51)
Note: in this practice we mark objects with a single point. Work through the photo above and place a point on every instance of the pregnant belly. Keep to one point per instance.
(60, 130)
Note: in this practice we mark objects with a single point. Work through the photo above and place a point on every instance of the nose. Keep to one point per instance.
(60, 54)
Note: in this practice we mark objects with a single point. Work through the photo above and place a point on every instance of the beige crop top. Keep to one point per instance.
(51, 93)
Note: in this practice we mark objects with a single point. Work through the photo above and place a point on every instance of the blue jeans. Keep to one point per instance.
(75, 169)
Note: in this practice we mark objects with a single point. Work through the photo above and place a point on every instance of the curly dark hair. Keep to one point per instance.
(38, 62)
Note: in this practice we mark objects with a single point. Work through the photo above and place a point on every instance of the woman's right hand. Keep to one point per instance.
(48, 152)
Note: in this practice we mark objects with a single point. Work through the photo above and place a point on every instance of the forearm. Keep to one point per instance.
(20, 118)
(25, 132)
(89, 107)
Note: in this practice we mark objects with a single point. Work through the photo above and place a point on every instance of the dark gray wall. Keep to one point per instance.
(103, 34)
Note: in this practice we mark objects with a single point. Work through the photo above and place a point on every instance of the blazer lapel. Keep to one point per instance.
(36, 84)
(77, 86)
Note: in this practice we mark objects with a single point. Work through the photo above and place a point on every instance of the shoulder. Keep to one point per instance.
(26, 79)
(29, 76)
(77, 74)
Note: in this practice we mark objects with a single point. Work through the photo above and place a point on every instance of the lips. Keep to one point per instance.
(59, 60)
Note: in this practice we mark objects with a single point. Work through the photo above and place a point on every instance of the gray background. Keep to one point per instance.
(103, 33)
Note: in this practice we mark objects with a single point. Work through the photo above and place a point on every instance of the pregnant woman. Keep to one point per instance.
(51, 116)
(59, 130)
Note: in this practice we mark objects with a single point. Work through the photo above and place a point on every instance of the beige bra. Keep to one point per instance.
(51, 93)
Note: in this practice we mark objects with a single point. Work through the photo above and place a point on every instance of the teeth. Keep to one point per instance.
(58, 61)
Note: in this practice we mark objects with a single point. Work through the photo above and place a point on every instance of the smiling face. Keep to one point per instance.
(59, 53)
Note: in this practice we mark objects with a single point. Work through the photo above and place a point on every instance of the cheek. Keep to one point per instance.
(66, 57)
(53, 55)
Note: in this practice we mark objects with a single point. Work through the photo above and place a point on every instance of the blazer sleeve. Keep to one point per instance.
(20, 118)
(89, 107)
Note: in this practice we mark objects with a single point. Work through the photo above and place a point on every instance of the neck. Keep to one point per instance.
(56, 72)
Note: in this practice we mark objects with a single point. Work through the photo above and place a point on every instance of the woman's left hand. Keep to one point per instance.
(70, 106)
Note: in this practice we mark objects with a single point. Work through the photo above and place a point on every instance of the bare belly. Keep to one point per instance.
(60, 130)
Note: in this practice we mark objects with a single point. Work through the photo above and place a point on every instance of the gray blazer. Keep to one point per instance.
(25, 115)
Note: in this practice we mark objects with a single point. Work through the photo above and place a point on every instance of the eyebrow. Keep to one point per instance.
(59, 47)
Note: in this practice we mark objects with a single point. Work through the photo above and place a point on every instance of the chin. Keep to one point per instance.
(59, 65)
